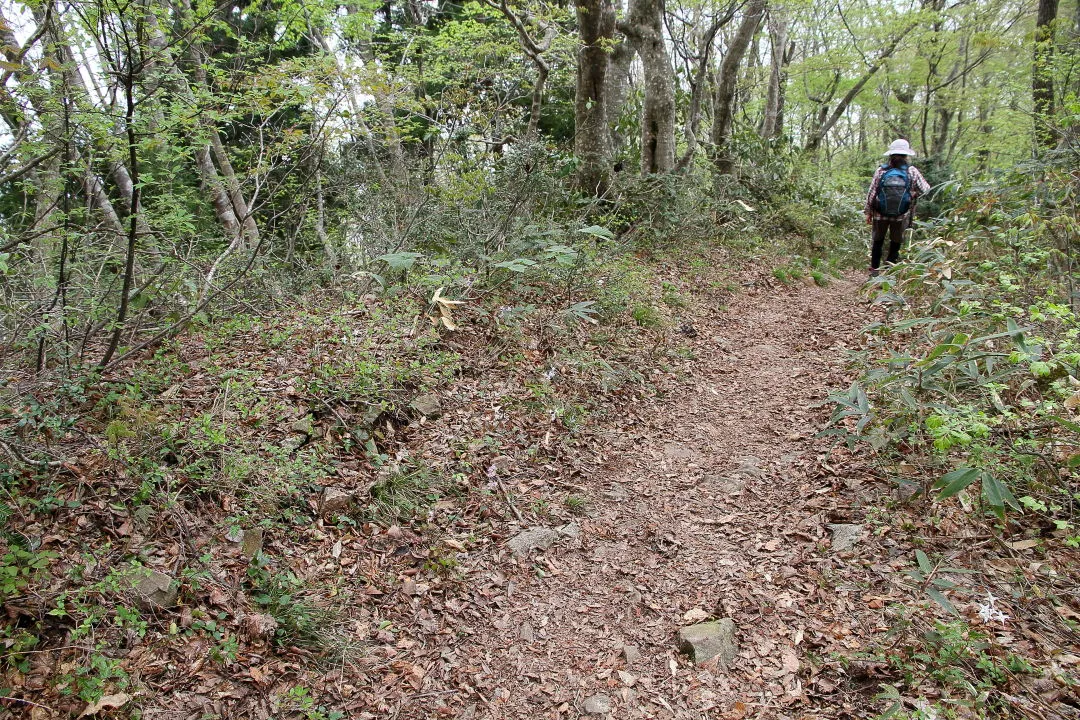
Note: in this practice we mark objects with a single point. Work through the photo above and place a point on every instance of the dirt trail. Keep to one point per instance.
(720, 506)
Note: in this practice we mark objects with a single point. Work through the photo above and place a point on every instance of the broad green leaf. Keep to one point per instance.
(955, 481)
(997, 495)
(941, 600)
(924, 562)
(598, 232)
(401, 260)
(517, 265)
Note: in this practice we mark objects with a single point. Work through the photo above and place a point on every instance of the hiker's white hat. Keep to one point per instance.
(900, 147)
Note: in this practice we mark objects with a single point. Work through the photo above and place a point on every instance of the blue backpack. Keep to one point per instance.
(894, 192)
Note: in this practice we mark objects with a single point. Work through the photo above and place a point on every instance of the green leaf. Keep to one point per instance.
(924, 562)
(997, 495)
(1017, 334)
(401, 260)
(584, 310)
(517, 265)
(561, 254)
(941, 600)
(955, 481)
(598, 232)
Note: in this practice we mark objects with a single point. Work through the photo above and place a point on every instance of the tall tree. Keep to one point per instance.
(724, 95)
(781, 52)
(826, 119)
(644, 26)
(1042, 77)
(592, 142)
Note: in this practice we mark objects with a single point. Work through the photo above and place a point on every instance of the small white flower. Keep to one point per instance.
(549, 374)
(989, 612)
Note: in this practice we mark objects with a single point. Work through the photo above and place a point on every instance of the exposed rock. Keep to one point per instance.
(501, 464)
(570, 530)
(598, 705)
(257, 626)
(252, 542)
(294, 442)
(428, 405)
(678, 451)
(335, 500)
(695, 615)
(154, 590)
(845, 536)
(631, 654)
(705, 641)
(535, 538)
(750, 466)
(734, 481)
(305, 425)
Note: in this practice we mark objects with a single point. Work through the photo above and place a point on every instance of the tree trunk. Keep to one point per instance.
(697, 87)
(617, 84)
(644, 26)
(174, 78)
(724, 96)
(592, 142)
(535, 50)
(772, 122)
(1042, 78)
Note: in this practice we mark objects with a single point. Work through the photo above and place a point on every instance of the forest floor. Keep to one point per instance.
(554, 583)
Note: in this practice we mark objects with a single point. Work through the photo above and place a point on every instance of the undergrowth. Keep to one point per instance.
(966, 399)
(208, 459)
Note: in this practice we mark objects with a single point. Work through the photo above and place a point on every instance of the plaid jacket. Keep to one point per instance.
(919, 186)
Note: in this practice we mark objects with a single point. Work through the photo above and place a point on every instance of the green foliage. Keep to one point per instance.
(286, 597)
(974, 367)
(403, 494)
(576, 504)
(965, 668)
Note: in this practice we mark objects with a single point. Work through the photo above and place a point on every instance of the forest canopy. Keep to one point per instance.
(155, 152)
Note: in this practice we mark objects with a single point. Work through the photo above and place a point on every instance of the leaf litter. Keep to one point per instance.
(705, 494)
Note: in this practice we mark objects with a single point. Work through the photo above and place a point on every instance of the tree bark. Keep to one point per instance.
(724, 96)
(781, 52)
(1042, 78)
(592, 142)
(535, 50)
(211, 182)
(644, 27)
(697, 87)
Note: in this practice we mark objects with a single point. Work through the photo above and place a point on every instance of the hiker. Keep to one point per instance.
(891, 202)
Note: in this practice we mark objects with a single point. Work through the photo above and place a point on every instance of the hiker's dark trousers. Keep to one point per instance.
(895, 230)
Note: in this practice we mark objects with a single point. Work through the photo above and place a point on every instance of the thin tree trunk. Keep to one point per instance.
(724, 96)
(772, 122)
(827, 120)
(204, 163)
(535, 50)
(1042, 78)
(697, 89)
(232, 185)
